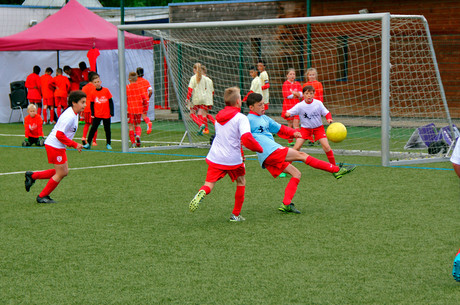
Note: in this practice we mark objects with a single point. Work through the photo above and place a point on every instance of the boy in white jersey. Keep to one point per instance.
(276, 158)
(55, 144)
(256, 85)
(225, 156)
(310, 112)
(263, 75)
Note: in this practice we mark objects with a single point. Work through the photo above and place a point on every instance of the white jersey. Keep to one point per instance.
(68, 124)
(309, 114)
(263, 81)
(201, 90)
(209, 96)
(256, 85)
(455, 158)
(226, 147)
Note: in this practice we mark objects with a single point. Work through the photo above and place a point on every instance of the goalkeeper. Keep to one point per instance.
(276, 158)
(33, 125)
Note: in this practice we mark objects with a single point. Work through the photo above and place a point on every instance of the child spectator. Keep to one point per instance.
(75, 76)
(256, 85)
(310, 111)
(225, 156)
(62, 88)
(145, 85)
(264, 81)
(292, 93)
(276, 158)
(33, 86)
(33, 126)
(88, 89)
(48, 94)
(311, 76)
(101, 110)
(201, 87)
(55, 144)
(136, 97)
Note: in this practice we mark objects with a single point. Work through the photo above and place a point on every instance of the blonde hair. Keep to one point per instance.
(199, 71)
(289, 70)
(311, 70)
(231, 96)
(132, 76)
(31, 106)
(203, 69)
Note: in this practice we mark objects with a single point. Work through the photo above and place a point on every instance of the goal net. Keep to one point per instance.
(378, 71)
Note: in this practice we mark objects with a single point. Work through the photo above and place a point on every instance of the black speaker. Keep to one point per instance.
(18, 96)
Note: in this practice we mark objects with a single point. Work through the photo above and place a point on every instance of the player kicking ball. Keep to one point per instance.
(276, 158)
(55, 144)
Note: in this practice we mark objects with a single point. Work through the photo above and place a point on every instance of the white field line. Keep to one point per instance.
(118, 165)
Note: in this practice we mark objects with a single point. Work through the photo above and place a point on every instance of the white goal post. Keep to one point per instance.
(379, 74)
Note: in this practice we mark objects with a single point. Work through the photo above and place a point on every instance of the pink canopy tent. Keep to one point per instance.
(73, 27)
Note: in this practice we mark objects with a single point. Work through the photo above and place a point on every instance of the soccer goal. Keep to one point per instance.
(378, 71)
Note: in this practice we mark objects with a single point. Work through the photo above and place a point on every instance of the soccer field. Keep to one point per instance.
(122, 233)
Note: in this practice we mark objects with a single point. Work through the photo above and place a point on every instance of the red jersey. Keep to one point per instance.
(45, 81)
(100, 98)
(33, 86)
(144, 84)
(288, 89)
(318, 89)
(84, 75)
(33, 126)
(76, 78)
(136, 96)
(92, 57)
(88, 89)
(62, 85)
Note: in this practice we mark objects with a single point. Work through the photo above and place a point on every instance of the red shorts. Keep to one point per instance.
(145, 107)
(56, 155)
(205, 107)
(313, 134)
(60, 101)
(276, 162)
(31, 101)
(87, 117)
(286, 106)
(49, 101)
(134, 119)
(214, 174)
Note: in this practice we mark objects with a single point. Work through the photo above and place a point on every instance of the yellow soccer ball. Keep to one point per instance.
(336, 132)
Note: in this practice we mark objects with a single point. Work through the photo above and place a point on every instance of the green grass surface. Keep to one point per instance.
(124, 235)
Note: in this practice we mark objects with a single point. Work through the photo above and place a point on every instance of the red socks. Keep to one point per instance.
(330, 157)
(239, 199)
(205, 188)
(50, 186)
(320, 164)
(131, 136)
(138, 130)
(85, 130)
(46, 174)
(290, 190)
(147, 120)
(211, 118)
(196, 119)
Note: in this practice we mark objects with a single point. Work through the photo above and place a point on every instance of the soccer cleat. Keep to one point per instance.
(138, 141)
(45, 199)
(234, 218)
(343, 171)
(196, 200)
(200, 132)
(29, 181)
(282, 175)
(149, 127)
(290, 208)
(94, 143)
(291, 144)
(83, 141)
(109, 146)
(456, 268)
(206, 131)
(87, 146)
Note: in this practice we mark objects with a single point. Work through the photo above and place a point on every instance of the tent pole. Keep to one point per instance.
(57, 58)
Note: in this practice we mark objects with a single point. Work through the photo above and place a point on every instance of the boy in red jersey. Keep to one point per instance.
(88, 89)
(292, 93)
(62, 88)
(48, 94)
(76, 77)
(225, 156)
(136, 98)
(145, 85)
(84, 71)
(55, 144)
(276, 158)
(312, 80)
(33, 126)
(34, 90)
(311, 110)
(101, 110)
